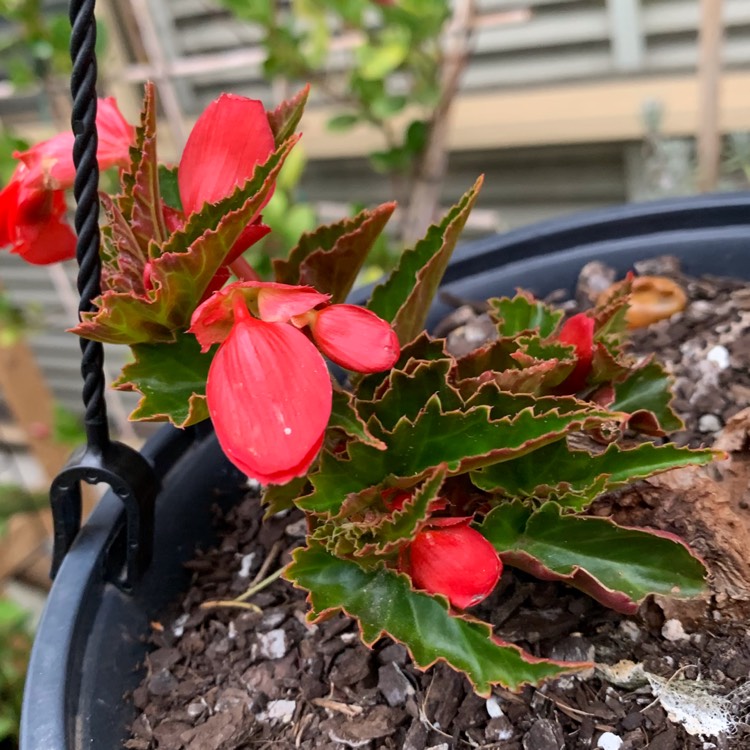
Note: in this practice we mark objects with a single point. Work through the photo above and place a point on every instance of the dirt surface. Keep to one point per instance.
(222, 678)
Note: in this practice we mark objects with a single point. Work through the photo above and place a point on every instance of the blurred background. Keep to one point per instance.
(564, 105)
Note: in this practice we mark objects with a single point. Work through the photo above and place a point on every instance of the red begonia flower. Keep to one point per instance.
(273, 302)
(452, 559)
(50, 163)
(230, 138)
(227, 142)
(578, 332)
(281, 302)
(32, 205)
(269, 392)
(269, 395)
(31, 222)
(354, 338)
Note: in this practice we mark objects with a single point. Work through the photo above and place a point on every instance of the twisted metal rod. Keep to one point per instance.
(85, 189)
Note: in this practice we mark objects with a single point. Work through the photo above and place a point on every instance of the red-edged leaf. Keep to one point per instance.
(574, 477)
(182, 268)
(405, 298)
(123, 259)
(330, 258)
(383, 603)
(141, 202)
(464, 441)
(646, 396)
(285, 118)
(363, 529)
(171, 379)
(616, 565)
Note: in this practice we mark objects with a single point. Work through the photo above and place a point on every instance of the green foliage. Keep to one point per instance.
(172, 380)
(487, 435)
(182, 264)
(405, 298)
(436, 440)
(383, 603)
(617, 566)
(15, 646)
(8, 144)
(330, 258)
(38, 44)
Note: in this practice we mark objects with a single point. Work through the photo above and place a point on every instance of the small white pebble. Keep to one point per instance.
(297, 529)
(281, 710)
(709, 423)
(609, 741)
(231, 631)
(493, 708)
(719, 355)
(246, 564)
(253, 484)
(272, 645)
(672, 630)
(179, 625)
(631, 630)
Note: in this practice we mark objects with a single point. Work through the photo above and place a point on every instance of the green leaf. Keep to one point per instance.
(405, 298)
(616, 565)
(172, 380)
(123, 258)
(406, 393)
(422, 348)
(344, 417)
(169, 187)
(463, 441)
(182, 267)
(342, 123)
(330, 258)
(363, 530)
(417, 134)
(141, 202)
(383, 603)
(524, 313)
(646, 396)
(280, 497)
(376, 62)
(574, 478)
(285, 118)
(388, 105)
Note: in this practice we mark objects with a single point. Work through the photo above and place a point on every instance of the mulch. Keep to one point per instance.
(225, 678)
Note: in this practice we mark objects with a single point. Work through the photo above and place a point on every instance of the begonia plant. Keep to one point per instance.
(420, 473)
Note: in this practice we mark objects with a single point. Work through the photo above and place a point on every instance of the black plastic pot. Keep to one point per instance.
(91, 640)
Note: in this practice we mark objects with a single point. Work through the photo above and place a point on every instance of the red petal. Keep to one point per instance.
(47, 242)
(251, 234)
(280, 302)
(8, 211)
(355, 338)
(229, 139)
(455, 561)
(578, 332)
(50, 162)
(269, 395)
(31, 222)
(213, 319)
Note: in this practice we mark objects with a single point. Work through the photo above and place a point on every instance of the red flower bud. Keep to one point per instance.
(452, 559)
(578, 332)
(354, 338)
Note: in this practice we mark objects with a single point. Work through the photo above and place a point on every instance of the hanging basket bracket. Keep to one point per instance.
(133, 480)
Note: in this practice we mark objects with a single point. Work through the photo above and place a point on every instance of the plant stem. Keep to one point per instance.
(241, 601)
(243, 270)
